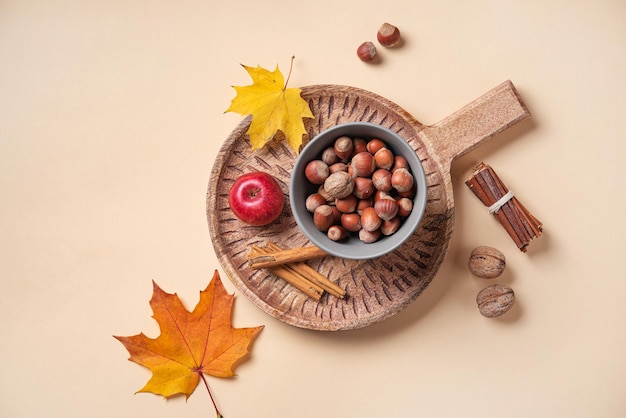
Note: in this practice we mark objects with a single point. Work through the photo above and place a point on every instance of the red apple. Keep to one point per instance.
(256, 198)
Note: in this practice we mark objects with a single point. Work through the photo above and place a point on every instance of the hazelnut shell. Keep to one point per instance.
(374, 145)
(382, 180)
(369, 236)
(313, 201)
(402, 180)
(386, 209)
(363, 164)
(384, 158)
(370, 221)
(351, 222)
(323, 217)
(366, 51)
(363, 187)
(316, 171)
(388, 35)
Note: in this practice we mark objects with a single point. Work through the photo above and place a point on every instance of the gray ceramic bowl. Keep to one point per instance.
(300, 188)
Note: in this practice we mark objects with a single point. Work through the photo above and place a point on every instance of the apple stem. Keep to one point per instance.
(289, 75)
(219, 415)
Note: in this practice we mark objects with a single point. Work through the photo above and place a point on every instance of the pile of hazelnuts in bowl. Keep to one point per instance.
(358, 190)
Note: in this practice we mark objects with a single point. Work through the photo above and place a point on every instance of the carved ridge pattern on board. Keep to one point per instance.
(376, 288)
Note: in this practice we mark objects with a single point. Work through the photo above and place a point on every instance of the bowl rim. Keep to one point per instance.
(354, 249)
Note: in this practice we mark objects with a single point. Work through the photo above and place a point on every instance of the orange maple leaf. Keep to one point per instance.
(190, 343)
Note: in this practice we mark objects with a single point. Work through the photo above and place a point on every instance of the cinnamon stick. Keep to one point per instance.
(309, 288)
(279, 257)
(518, 222)
(311, 274)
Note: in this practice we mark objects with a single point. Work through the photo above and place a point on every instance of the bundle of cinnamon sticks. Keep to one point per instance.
(520, 224)
(289, 265)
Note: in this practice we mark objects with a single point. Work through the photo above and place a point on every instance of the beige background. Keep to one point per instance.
(112, 113)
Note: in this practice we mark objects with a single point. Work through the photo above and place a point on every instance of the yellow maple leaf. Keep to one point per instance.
(190, 343)
(273, 107)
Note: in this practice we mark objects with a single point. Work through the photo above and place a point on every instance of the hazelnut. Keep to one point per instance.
(405, 206)
(344, 147)
(316, 171)
(337, 167)
(363, 187)
(313, 201)
(486, 262)
(336, 215)
(339, 185)
(337, 233)
(347, 204)
(410, 193)
(374, 145)
(495, 300)
(329, 156)
(360, 145)
(380, 194)
(390, 226)
(363, 164)
(402, 180)
(366, 51)
(323, 217)
(350, 170)
(364, 203)
(370, 221)
(382, 180)
(399, 162)
(369, 236)
(384, 158)
(388, 35)
(351, 222)
(386, 209)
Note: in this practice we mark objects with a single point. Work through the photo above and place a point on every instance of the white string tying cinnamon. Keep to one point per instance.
(501, 202)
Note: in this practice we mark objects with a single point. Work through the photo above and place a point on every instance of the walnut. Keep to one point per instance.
(486, 262)
(495, 300)
(339, 185)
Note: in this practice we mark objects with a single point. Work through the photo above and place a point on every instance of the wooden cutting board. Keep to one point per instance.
(378, 288)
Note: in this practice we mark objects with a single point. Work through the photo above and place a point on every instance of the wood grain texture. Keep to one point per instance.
(378, 288)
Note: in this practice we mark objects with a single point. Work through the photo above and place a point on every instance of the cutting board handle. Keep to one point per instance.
(488, 115)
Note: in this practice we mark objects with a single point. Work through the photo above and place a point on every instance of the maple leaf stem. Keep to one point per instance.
(289, 75)
(206, 384)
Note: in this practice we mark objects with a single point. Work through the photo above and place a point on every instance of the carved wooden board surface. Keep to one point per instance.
(376, 289)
